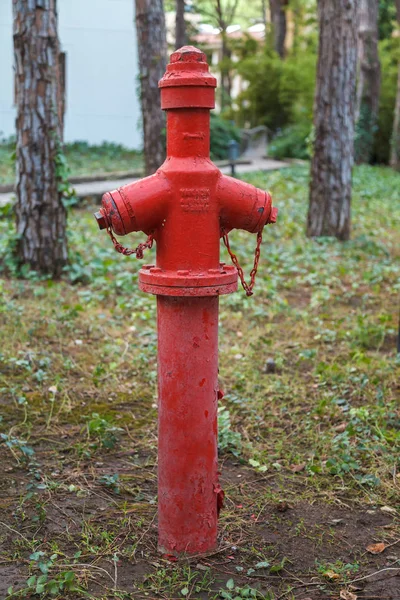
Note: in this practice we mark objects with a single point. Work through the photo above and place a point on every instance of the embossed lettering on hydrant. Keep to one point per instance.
(195, 199)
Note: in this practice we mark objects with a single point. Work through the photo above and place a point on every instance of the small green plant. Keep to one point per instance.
(228, 440)
(337, 570)
(63, 174)
(112, 482)
(234, 592)
(19, 448)
(102, 431)
(179, 582)
(49, 583)
(343, 459)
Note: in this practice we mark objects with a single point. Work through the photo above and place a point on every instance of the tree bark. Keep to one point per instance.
(226, 80)
(369, 80)
(224, 17)
(334, 111)
(180, 25)
(264, 15)
(395, 150)
(278, 20)
(61, 91)
(40, 213)
(150, 25)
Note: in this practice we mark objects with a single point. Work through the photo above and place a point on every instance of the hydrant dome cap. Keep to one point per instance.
(188, 67)
(188, 54)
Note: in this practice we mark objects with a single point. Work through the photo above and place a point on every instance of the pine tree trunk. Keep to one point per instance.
(395, 151)
(180, 25)
(278, 20)
(225, 15)
(369, 80)
(264, 15)
(61, 91)
(331, 168)
(150, 25)
(40, 213)
(226, 82)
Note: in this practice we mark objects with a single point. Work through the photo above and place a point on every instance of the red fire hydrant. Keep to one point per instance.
(186, 207)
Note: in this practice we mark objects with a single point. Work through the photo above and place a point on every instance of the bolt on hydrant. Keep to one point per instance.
(186, 207)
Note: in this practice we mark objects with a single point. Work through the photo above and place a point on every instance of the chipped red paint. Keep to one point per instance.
(186, 206)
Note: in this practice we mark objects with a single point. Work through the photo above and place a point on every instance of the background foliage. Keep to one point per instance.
(280, 93)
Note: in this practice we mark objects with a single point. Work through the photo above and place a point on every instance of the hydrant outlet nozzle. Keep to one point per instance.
(274, 214)
(101, 219)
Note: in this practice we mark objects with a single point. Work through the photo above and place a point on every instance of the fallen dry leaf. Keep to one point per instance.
(297, 468)
(331, 575)
(346, 595)
(340, 428)
(355, 588)
(388, 509)
(376, 548)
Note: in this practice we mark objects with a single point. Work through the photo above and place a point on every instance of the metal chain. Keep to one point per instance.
(128, 251)
(248, 288)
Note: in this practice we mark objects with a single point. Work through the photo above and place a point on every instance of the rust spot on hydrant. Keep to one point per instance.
(220, 497)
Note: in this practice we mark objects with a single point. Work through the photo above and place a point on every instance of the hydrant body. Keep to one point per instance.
(187, 205)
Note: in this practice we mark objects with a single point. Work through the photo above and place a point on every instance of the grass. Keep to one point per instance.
(83, 159)
(309, 446)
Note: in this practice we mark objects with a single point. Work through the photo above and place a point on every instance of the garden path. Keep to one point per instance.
(95, 189)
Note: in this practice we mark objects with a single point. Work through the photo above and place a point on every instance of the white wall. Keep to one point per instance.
(99, 38)
(7, 114)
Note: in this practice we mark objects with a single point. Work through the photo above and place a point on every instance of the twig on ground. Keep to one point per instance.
(15, 531)
(313, 584)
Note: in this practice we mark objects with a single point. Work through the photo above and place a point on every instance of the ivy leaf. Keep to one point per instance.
(230, 584)
(262, 565)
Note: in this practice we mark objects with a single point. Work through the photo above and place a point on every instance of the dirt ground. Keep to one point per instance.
(294, 534)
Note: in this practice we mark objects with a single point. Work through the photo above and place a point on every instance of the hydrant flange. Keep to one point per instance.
(183, 282)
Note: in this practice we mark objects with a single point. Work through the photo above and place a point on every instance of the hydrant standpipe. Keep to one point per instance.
(186, 207)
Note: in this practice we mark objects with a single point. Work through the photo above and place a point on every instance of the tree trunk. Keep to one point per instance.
(225, 14)
(180, 25)
(61, 91)
(264, 15)
(150, 25)
(369, 80)
(226, 81)
(278, 20)
(331, 168)
(395, 151)
(40, 213)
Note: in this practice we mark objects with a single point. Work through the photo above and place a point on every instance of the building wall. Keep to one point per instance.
(7, 115)
(99, 39)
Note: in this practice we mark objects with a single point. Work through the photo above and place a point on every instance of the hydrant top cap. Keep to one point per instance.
(188, 67)
(188, 54)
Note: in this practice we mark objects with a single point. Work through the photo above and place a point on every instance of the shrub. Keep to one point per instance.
(260, 104)
(291, 142)
(221, 132)
(389, 55)
(279, 93)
